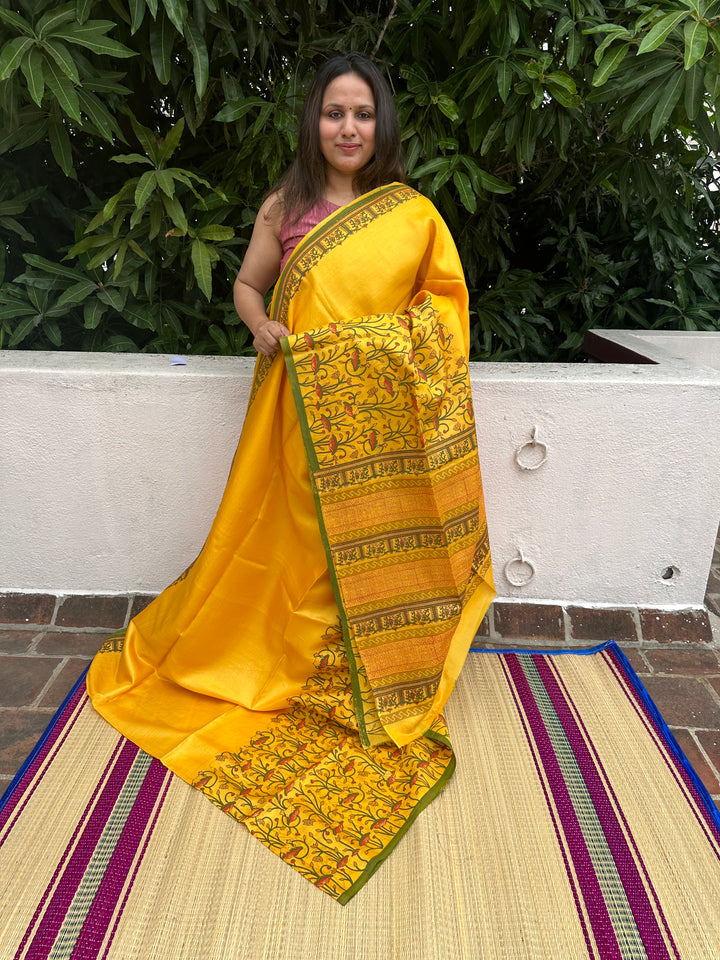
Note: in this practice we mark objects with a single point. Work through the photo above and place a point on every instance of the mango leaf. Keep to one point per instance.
(196, 45)
(202, 266)
(143, 191)
(694, 90)
(46, 25)
(448, 106)
(61, 55)
(33, 70)
(15, 20)
(162, 38)
(63, 90)
(98, 114)
(574, 49)
(504, 78)
(114, 297)
(661, 30)
(60, 146)
(177, 12)
(237, 109)
(92, 36)
(176, 213)
(137, 14)
(131, 158)
(171, 142)
(83, 9)
(57, 269)
(609, 64)
(465, 191)
(23, 330)
(12, 55)
(92, 313)
(77, 293)
(696, 39)
(215, 231)
(432, 166)
(148, 139)
(667, 102)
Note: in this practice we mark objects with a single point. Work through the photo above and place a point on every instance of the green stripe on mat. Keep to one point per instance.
(96, 868)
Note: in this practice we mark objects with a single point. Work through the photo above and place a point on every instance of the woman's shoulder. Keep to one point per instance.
(270, 213)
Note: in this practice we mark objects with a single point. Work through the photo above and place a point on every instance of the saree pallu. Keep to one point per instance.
(296, 673)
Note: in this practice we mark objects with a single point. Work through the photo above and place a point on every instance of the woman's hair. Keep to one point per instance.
(304, 182)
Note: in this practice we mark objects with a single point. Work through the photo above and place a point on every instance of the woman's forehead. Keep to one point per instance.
(348, 89)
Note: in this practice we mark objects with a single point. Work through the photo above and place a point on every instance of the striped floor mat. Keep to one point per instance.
(574, 828)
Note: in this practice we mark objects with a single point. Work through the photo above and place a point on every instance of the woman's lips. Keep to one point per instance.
(348, 147)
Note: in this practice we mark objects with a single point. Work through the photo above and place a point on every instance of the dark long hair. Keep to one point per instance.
(304, 182)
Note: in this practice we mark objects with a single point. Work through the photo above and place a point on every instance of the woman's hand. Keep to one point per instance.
(268, 336)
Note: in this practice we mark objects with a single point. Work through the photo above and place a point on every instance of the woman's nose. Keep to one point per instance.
(348, 124)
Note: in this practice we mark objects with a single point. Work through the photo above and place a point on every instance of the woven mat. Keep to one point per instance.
(572, 829)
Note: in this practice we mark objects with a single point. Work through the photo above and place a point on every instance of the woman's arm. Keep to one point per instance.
(260, 269)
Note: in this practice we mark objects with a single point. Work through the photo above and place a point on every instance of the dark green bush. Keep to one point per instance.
(570, 146)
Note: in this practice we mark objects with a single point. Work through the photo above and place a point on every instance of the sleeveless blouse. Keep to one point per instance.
(292, 233)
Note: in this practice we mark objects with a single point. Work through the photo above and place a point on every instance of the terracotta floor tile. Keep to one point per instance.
(63, 683)
(19, 732)
(588, 623)
(691, 660)
(697, 761)
(684, 702)
(92, 611)
(139, 603)
(16, 641)
(710, 740)
(26, 607)
(23, 679)
(675, 626)
(62, 643)
(636, 660)
(537, 621)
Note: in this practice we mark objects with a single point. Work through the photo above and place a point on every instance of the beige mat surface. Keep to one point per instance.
(571, 829)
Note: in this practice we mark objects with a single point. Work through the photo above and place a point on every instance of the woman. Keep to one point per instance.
(297, 672)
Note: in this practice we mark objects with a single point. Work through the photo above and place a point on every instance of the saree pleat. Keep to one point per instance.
(297, 671)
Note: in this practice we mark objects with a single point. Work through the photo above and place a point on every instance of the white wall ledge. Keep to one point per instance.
(113, 465)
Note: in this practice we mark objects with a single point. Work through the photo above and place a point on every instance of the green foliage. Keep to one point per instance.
(569, 145)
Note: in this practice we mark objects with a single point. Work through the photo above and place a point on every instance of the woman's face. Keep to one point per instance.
(347, 124)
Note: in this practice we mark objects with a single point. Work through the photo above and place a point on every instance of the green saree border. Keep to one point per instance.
(313, 466)
(422, 803)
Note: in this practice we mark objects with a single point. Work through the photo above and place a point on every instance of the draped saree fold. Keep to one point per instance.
(297, 671)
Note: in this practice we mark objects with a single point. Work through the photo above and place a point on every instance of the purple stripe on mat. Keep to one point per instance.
(78, 859)
(556, 827)
(128, 889)
(635, 890)
(55, 734)
(673, 757)
(591, 891)
(90, 939)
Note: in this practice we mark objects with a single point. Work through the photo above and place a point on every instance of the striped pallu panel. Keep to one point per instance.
(574, 828)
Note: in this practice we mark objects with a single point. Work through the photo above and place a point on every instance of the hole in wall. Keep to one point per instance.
(670, 573)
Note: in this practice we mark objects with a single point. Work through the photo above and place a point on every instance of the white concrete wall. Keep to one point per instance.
(112, 466)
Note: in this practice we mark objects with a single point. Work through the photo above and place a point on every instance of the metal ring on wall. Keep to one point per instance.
(520, 558)
(532, 442)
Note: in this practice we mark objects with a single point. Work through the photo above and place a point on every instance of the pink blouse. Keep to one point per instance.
(292, 233)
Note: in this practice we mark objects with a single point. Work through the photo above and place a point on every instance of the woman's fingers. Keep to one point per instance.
(267, 338)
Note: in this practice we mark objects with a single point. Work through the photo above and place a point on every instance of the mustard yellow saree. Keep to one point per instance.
(296, 673)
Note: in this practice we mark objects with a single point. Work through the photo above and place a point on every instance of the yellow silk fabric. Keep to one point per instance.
(221, 673)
